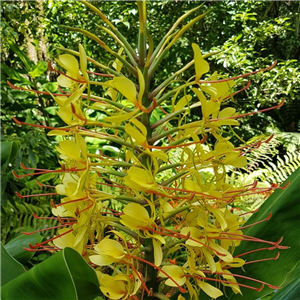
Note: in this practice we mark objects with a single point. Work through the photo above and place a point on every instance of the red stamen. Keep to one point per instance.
(49, 240)
(266, 219)
(47, 171)
(251, 113)
(283, 187)
(31, 174)
(240, 76)
(255, 250)
(263, 259)
(250, 212)
(34, 91)
(248, 238)
(100, 74)
(64, 92)
(80, 211)
(140, 278)
(245, 277)
(46, 229)
(42, 249)
(163, 110)
(71, 201)
(239, 91)
(39, 126)
(150, 109)
(44, 185)
(53, 218)
(37, 195)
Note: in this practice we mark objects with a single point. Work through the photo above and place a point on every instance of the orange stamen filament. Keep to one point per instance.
(39, 126)
(245, 277)
(255, 250)
(250, 113)
(240, 76)
(140, 278)
(50, 228)
(49, 240)
(266, 219)
(263, 259)
(36, 195)
(71, 201)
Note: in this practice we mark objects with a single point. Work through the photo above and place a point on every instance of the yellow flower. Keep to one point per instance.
(174, 272)
(135, 216)
(139, 179)
(118, 287)
(108, 251)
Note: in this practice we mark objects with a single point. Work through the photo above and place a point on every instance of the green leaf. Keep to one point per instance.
(291, 291)
(8, 152)
(39, 70)
(13, 74)
(65, 275)
(10, 268)
(285, 208)
(15, 247)
(23, 57)
(51, 86)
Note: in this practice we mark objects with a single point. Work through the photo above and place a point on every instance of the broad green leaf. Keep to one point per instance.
(15, 247)
(65, 275)
(291, 290)
(10, 268)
